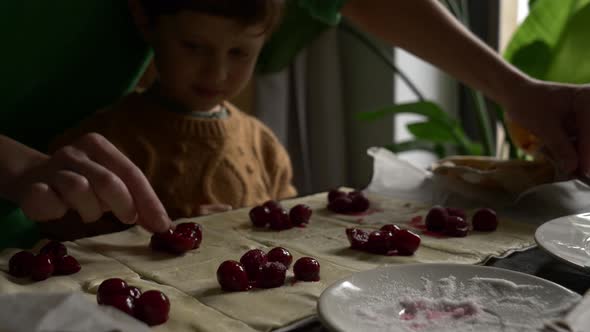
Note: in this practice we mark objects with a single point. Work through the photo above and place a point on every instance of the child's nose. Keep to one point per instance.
(216, 71)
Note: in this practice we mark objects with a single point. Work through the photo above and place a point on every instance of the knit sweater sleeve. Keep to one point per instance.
(277, 164)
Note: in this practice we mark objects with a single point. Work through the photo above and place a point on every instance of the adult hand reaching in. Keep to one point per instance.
(89, 176)
(558, 117)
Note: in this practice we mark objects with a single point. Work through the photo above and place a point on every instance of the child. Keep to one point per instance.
(195, 148)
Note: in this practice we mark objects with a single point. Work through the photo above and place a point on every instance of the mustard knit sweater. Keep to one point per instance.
(191, 161)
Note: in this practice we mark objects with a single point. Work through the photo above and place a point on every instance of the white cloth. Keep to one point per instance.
(63, 312)
(398, 178)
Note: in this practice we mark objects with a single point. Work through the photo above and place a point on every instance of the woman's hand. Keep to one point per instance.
(559, 116)
(91, 177)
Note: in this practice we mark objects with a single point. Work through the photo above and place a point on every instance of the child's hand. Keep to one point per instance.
(90, 176)
(213, 208)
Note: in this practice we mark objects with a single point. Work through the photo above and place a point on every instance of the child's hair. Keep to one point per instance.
(247, 12)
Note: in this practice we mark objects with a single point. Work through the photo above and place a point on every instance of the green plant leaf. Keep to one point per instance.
(431, 131)
(426, 108)
(534, 59)
(570, 58)
(546, 22)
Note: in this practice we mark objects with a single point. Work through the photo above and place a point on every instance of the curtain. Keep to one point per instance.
(312, 107)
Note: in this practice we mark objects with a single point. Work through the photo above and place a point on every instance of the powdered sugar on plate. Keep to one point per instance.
(446, 304)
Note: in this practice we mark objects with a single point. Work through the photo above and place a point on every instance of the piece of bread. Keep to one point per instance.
(493, 175)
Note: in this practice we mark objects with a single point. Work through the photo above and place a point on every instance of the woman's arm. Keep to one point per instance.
(548, 110)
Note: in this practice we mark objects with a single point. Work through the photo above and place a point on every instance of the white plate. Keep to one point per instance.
(498, 300)
(568, 239)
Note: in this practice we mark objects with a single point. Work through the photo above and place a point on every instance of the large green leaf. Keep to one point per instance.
(431, 131)
(545, 23)
(428, 109)
(570, 62)
(534, 59)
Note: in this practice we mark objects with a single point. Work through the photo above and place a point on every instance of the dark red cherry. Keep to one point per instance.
(152, 308)
(21, 264)
(272, 205)
(456, 212)
(54, 249)
(159, 241)
(232, 276)
(390, 228)
(279, 220)
(252, 260)
(456, 227)
(359, 203)
(280, 255)
(110, 287)
(335, 193)
(379, 242)
(485, 220)
(66, 265)
(357, 237)
(406, 242)
(436, 219)
(134, 292)
(191, 229)
(341, 205)
(181, 243)
(42, 267)
(300, 214)
(307, 269)
(124, 303)
(271, 275)
(260, 216)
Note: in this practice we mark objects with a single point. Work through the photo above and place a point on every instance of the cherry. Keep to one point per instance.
(180, 243)
(272, 205)
(359, 203)
(42, 267)
(485, 220)
(307, 269)
(66, 265)
(456, 227)
(232, 276)
(54, 249)
(279, 220)
(159, 241)
(271, 275)
(21, 264)
(300, 214)
(390, 228)
(379, 242)
(193, 230)
(121, 302)
(357, 237)
(134, 292)
(111, 287)
(456, 213)
(406, 242)
(280, 255)
(260, 216)
(152, 307)
(340, 205)
(176, 242)
(436, 219)
(252, 261)
(335, 193)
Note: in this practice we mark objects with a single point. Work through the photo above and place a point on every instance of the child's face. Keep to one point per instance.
(203, 59)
